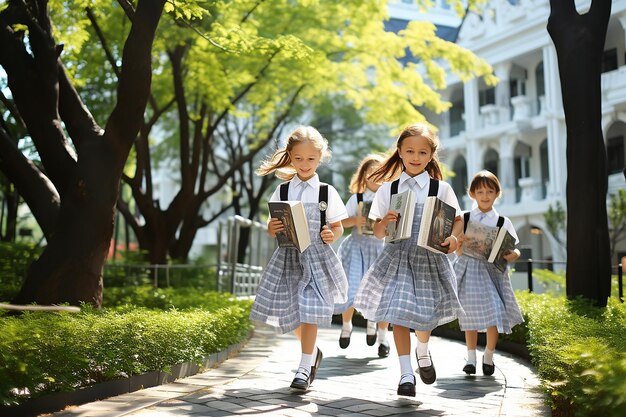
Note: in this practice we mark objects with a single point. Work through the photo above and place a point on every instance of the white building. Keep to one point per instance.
(517, 129)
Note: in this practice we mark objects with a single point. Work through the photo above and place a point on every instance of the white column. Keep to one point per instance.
(507, 168)
(470, 93)
(503, 92)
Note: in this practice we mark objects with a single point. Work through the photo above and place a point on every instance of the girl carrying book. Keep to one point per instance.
(485, 292)
(299, 290)
(409, 286)
(359, 250)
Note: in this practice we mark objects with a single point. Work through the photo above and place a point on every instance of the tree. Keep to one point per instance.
(579, 42)
(226, 90)
(74, 193)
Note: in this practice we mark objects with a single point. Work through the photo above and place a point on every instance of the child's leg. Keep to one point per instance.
(471, 340)
(381, 339)
(492, 339)
(424, 362)
(346, 328)
(402, 338)
(307, 334)
(370, 333)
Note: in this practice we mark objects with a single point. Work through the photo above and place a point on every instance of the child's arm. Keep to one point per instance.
(380, 227)
(511, 255)
(331, 235)
(353, 221)
(452, 242)
(275, 226)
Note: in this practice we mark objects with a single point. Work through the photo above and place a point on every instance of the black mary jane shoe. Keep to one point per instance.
(344, 342)
(301, 383)
(370, 339)
(315, 367)
(488, 369)
(427, 373)
(383, 350)
(469, 369)
(407, 389)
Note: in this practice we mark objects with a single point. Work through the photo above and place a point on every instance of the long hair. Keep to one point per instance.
(486, 179)
(358, 183)
(392, 167)
(280, 161)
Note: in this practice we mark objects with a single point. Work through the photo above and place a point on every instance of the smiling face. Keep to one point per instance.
(485, 197)
(416, 153)
(305, 158)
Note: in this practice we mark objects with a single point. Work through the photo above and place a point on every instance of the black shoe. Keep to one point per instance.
(488, 369)
(383, 350)
(344, 342)
(315, 367)
(371, 338)
(301, 383)
(407, 389)
(469, 369)
(427, 373)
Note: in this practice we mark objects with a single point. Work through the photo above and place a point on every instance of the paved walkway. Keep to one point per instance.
(350, 382)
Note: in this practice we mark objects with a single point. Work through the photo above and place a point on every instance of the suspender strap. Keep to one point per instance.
(394, 186)
(323, 198)
(500, 221)
(466, 216)
(284, 191)
(359, 198)
(433, 189)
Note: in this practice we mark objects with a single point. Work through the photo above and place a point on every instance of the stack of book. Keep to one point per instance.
(488, 243)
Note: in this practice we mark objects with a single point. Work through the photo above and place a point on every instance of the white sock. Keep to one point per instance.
(488, 356)
(422, 354)
(305, 362)
(371, 328)
(405, 365)
(313, 356)
(404, 378)
(471, 356)
(346, 329)
(381, 336)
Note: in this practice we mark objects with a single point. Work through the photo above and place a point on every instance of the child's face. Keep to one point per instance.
(368, 182)
(485, 197)
(305, 158)
(415, 153)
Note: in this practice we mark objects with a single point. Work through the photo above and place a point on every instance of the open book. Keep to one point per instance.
(436, 225)
(488, 243)
(504, 242)
(363, 209)
(404, 204)
(292, 214)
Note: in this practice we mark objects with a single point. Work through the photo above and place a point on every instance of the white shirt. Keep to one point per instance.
(491, 219)
(380, 206)
(352, 205)
(335, 212)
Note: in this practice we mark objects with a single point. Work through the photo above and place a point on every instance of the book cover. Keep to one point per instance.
(503, 242)
(404, 204)
(292, 214)
(479, 240)
(436, 225)
(364, 210)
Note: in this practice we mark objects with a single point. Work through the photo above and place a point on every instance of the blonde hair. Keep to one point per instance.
(358, 183)
(392, 167)
(280, 162)
(485, 179)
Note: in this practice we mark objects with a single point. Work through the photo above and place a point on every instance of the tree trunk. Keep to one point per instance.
(579, 41)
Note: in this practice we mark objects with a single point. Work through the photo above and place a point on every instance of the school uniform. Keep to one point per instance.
(303, 287)
(484, 291)
(357, 252)
(408, 285)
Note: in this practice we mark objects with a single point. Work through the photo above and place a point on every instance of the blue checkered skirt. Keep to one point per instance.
(301, 287)
(486, 296)
(409, 286)
(357, 252)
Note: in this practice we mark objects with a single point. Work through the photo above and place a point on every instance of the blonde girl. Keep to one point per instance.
(298, 290)
(409, 286)
(358, 251)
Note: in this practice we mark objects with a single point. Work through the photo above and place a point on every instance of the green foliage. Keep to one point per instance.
(14, 261)
(42, 353)
(552, 282)
(556, 222)
(165, 298)
(580, 353)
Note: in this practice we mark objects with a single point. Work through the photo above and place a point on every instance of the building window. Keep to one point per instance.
(457, 124)
(487, 96)
(609, 60)
(545, 167)
(615, 154)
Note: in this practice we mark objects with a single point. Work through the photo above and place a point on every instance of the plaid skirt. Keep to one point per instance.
(301, 287)
(486, 296)
(357, 253)
(409, 286)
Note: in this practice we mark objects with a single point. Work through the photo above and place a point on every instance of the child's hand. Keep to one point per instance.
(510, 256)
(391, 216)
(327, 235)
(359, 221)
(275, 226)
(451, 242)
